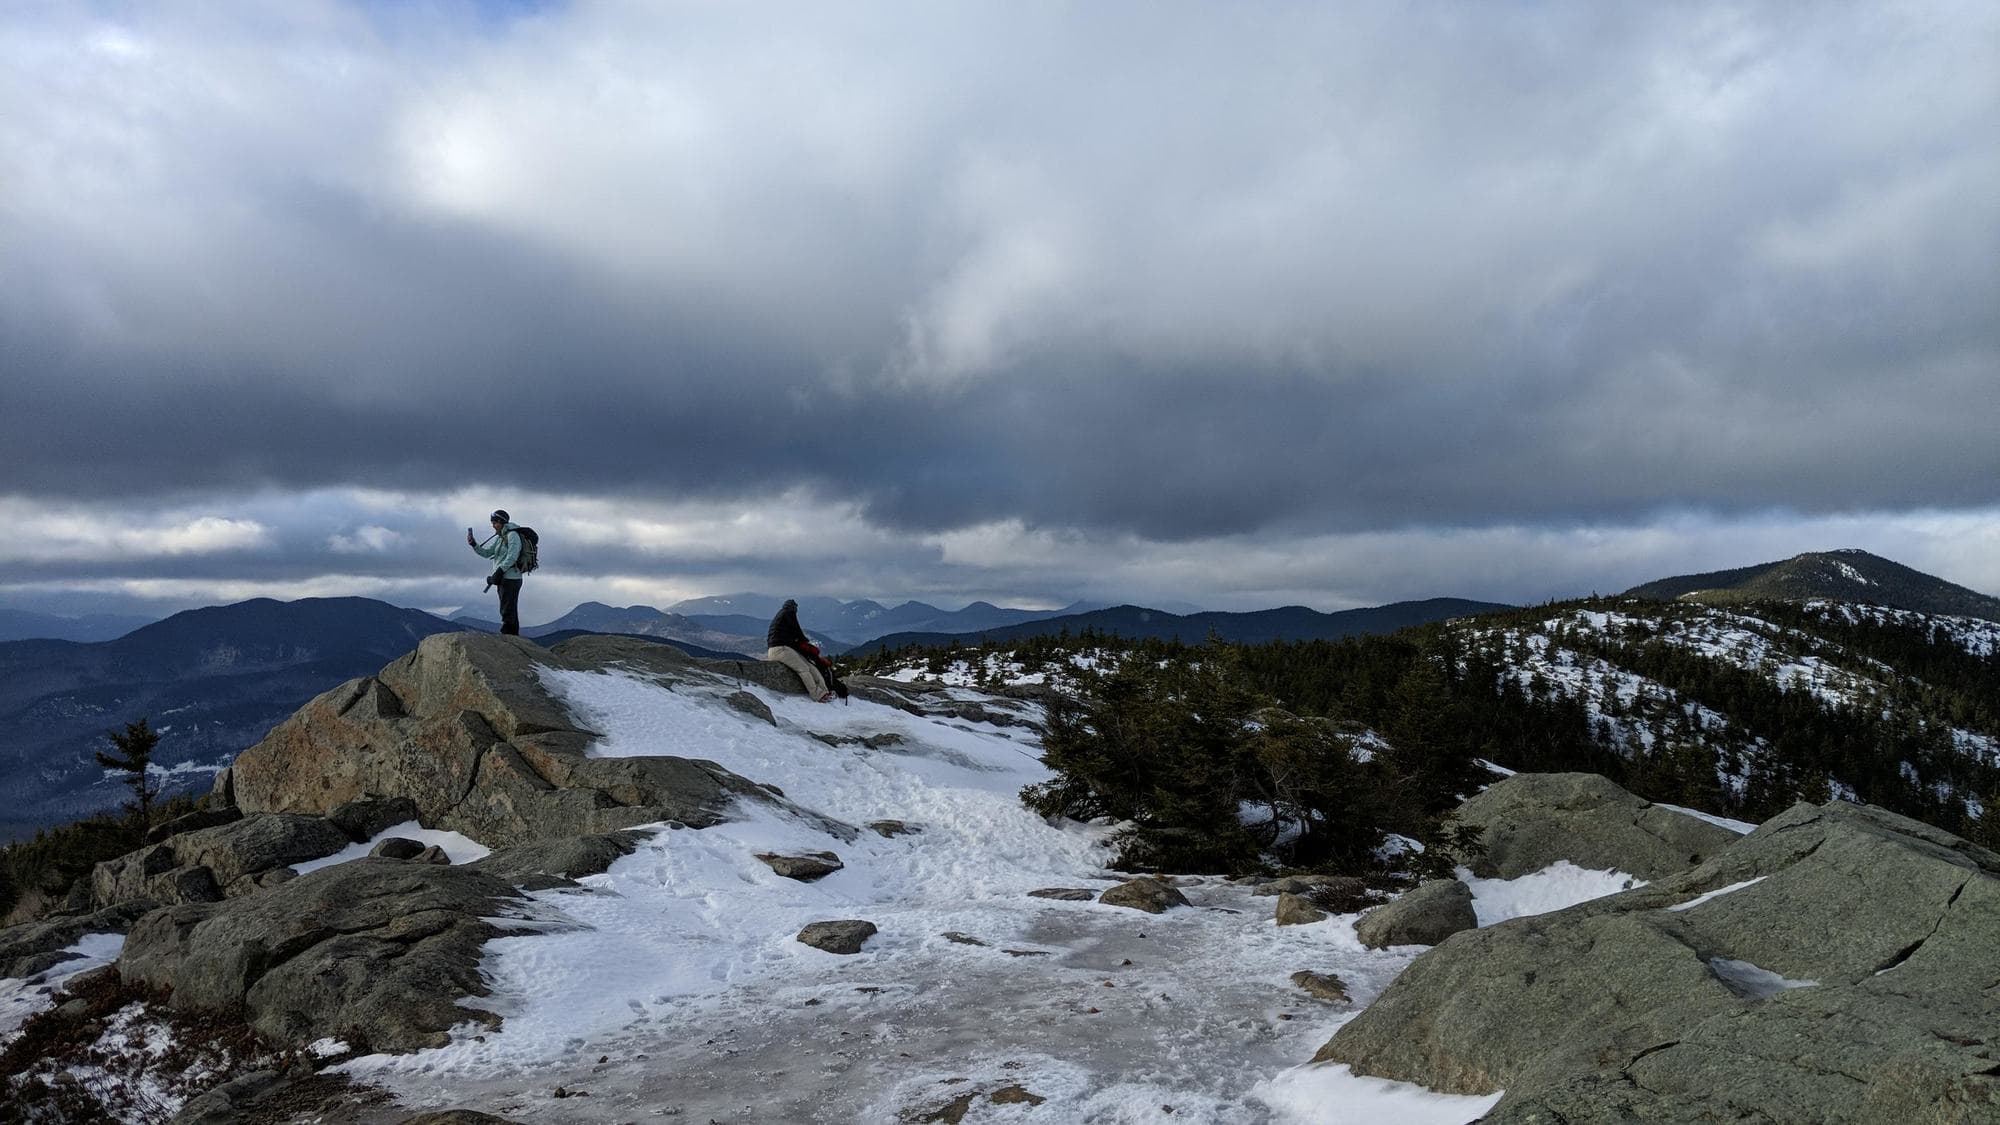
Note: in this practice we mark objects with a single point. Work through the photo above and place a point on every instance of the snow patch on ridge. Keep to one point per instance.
(21, 998)
(457, 847)
(1558, 886)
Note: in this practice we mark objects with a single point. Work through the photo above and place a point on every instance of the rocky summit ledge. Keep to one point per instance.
(1531, 820)
(1839, 964)
(374, 950)
(465, 728)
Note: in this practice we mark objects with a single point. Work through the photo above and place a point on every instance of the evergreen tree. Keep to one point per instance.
(135, 757)
(1986, 832)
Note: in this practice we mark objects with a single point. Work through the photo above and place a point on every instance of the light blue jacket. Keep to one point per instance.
(504, 549)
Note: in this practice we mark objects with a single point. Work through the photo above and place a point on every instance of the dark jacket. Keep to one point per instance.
(784, 631)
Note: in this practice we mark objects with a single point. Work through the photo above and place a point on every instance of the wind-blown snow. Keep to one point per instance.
(1560, 885)
(678, 967)
(457, 848)
(1333, 1095)
(1740, 827)
(1753, 982)
(23, 997)
(1714, 894)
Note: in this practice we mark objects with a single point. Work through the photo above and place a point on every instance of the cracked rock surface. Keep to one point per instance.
(1531, 820)
(1882, 933)
(466, 730)
(376, 950)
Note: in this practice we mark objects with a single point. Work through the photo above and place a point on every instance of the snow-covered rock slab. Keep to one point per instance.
(1753, 987)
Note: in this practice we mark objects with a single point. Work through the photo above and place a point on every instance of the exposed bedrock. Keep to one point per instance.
(467, 730)
(1531, 820)
(377, 950)
(1856, 980)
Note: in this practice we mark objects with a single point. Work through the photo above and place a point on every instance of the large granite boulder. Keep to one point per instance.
(1836, 965)
(1531, 820)
(1424, 915)
(540, 864)
(466, 729)
(240, 857)
(844, 936)
(376, 950)
(1154, 896)
(365, 818)
(1297, 910)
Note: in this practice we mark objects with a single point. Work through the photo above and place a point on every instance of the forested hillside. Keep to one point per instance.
(1737, 711)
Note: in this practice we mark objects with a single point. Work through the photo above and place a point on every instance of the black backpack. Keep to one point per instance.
(531, 545)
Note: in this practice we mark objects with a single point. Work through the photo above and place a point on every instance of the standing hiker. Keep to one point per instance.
(791, 647)
(504, 548)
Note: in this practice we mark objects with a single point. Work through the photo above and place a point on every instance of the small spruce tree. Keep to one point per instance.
(1986, 830)
(135, 757)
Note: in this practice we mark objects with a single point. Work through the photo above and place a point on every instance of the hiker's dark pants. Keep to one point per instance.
(510, 606)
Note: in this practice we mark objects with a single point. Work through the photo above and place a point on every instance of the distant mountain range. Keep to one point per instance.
(737, 622)
(215, 680)
(550, 640)
(851, 623)
(212, 680)
(1848, 575)
(22, 624)
(1288, 623)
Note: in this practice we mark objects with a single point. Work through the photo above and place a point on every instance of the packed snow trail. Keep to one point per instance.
(672, 986)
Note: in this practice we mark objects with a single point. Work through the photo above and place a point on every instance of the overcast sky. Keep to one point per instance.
(1239, 305)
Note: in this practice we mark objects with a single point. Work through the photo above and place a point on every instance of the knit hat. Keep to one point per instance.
(499, 514)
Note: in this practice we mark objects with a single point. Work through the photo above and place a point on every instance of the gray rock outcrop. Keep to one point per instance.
(1150, 895)
(1840, 969)
(228, 1103)
(541, 864)
(1308, 884)
(1297, 910)
(805, 868)
(396, 847)
(466, 730)
(1531, 820)
(1321, 986)
(844, 936)
(377, 948)
(1424, 915)
(33, 948)
(239, 857)
(750, 705)
(365, 818)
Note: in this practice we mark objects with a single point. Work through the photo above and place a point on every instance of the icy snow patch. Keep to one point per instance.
(1752, 982)
(457, 848)
(1715, 894)
(1560, 885)
(23, 997)
(1331, 1094)
(1740, 827)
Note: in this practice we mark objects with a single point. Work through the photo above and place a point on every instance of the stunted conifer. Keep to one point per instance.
(135, 757)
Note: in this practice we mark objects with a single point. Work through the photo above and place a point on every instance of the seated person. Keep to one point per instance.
(791, 647)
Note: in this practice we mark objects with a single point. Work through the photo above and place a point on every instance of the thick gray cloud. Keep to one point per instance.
(1174, 277)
